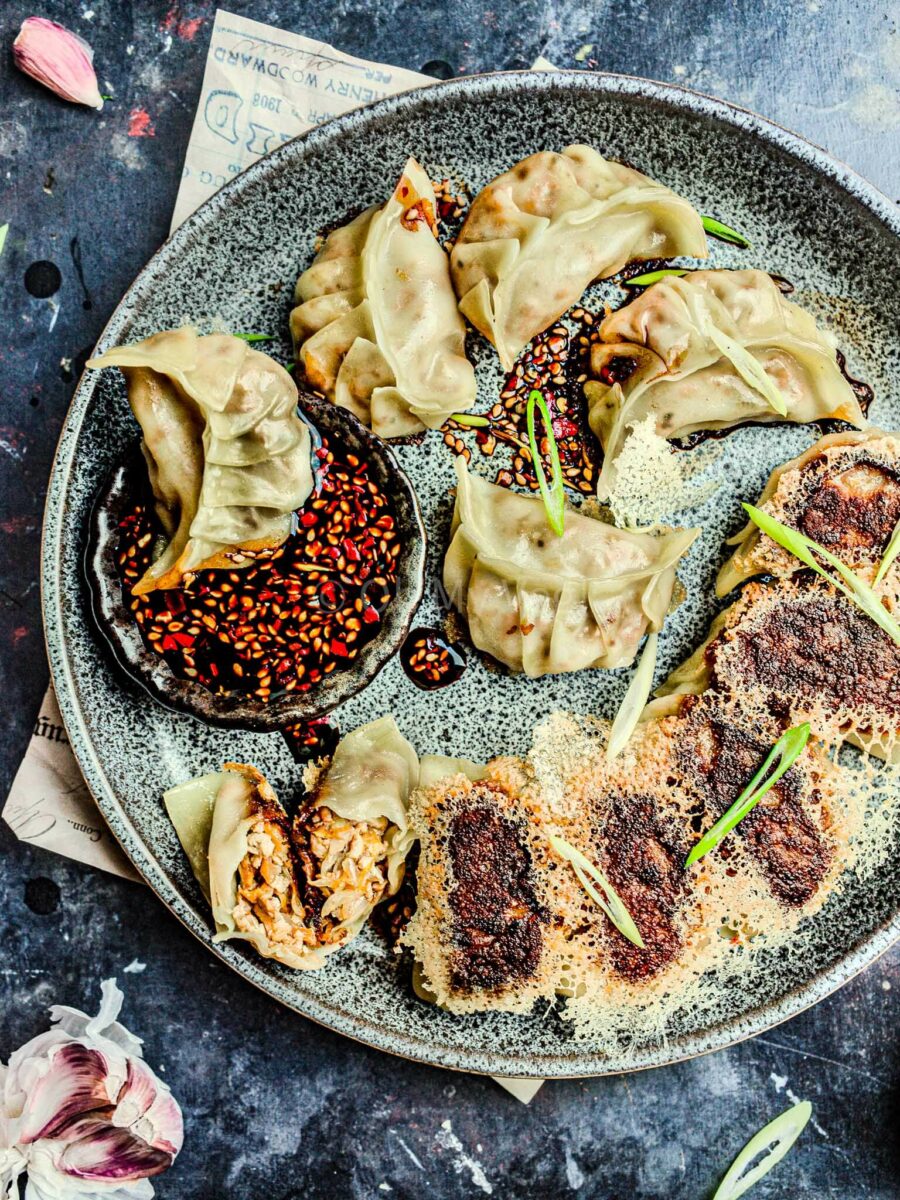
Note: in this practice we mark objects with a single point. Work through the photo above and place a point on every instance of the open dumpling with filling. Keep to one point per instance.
(227, 454)
(843, 492)
(537, 236)
(376, 327)
(544, 604)
(708, 351)
(299, 890)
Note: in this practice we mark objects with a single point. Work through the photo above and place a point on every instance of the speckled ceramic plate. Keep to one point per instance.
(236, 259)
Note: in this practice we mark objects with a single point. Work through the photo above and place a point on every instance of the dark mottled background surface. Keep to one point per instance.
(274, 1106)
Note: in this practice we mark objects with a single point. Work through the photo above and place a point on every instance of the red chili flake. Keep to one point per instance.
(339, 648)
(308, 519)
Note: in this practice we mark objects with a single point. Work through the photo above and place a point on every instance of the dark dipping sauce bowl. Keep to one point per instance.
(126, 496)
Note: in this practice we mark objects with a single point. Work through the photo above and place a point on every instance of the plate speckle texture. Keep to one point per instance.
(235, 263)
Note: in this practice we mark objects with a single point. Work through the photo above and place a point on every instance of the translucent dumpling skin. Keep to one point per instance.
(543, 604)
(376, 327)
(541, 233)
(678, 355)
(227, 454)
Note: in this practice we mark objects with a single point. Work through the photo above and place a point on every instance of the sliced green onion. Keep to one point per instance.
(773, 1141)
(749, 368)
(470, 420)
(290, 367)
(255, 337)
(553, 495)
(611, 903)
(889, 555)
(651, 277)
(846, 580)
(4, 230)
(788, 749)
(725, 233)
(635, 698)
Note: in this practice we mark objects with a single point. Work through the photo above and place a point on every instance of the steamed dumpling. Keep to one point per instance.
(300, 890)
(677, 354)
(544, 604)
(541, 233)
(227, 454)
(376, 326)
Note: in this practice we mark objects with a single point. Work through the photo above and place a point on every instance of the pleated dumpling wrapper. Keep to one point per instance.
(544, 604)
(537, 236)
(300, 890)
(376, 327)
(227, 454)
(707, 351)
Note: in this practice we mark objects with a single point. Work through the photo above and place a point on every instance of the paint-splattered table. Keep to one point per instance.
(276, 1107)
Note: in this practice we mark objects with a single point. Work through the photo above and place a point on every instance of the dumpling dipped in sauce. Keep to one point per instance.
(227, 454)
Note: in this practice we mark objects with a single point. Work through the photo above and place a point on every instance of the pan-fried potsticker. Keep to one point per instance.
(844, 493)
(800, 650)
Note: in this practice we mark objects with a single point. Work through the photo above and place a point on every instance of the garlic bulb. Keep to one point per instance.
(82, 1113)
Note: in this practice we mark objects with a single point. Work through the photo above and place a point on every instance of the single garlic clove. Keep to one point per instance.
(59, 59)
(103, 1153)
(72, 1081)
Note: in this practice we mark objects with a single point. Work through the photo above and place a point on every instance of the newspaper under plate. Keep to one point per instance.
(262, 86)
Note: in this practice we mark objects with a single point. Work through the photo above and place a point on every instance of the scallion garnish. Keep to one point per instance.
(470, 420)
(635, 698)
(787, 749)
(749, 368)
(612, 903)
(846, 580)
(773, 1141)
(290, 367)
(890, 554)
(255, 337)
(651, 277)
(725, 233)
(553, 494)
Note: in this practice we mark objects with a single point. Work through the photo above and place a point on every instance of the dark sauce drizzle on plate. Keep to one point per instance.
(430, 660)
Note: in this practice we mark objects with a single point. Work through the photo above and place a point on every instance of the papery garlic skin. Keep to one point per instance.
(59, 59)
(83, 1113)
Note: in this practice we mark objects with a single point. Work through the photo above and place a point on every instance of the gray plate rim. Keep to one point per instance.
(564, 1065)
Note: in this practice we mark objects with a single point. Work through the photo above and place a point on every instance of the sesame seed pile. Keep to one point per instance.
(556, 364)
(296, 613)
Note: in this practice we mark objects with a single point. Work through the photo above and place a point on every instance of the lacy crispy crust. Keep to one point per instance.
(481, 931)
